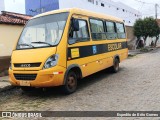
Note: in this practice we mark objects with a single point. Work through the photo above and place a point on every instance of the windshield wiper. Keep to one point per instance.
(42, 43)
(25, 44)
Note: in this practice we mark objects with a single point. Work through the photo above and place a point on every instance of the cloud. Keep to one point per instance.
(15, 6)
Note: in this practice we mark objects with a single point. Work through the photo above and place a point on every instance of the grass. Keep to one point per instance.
(144, 50)
(131, 56)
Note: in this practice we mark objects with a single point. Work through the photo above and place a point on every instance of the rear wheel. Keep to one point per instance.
(70, 83)
(115, 67)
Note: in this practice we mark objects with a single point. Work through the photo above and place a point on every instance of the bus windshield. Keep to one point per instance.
(45, 31)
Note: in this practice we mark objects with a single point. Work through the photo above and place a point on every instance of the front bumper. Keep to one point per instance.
(45, 78)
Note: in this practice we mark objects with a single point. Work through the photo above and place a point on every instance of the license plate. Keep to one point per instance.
(25, 83)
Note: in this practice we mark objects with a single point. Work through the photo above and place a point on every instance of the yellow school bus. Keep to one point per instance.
(60, 47)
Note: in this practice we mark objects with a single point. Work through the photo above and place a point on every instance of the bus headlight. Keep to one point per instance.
(51, 61)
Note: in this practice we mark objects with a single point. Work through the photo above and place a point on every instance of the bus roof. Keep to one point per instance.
(81, 12)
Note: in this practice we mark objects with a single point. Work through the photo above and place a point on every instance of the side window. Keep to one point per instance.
(97, 29)
(111, 32)
(110, 27)
(120, 30)
(82, 34)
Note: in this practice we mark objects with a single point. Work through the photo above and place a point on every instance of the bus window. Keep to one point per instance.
(82, 34)
(120, 30)
(45, 31)
(97, 29)
(111, 32)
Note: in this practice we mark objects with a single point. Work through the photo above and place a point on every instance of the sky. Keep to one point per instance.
(19, 3)
(146, 7)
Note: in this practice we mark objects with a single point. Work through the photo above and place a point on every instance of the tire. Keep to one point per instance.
(115, 67)
(70, 83)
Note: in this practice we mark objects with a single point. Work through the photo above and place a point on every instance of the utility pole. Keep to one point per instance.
(156, 11)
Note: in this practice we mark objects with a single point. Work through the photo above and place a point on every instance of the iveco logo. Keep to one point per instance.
(26, 65)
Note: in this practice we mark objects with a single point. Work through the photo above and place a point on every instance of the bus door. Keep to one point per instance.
(80, 46)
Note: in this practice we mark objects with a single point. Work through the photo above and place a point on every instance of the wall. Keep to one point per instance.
(9, 35)
(149, 40)
(131, 38)
(4, 65)
(130, 33)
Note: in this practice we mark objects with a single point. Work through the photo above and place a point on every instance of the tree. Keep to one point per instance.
(157, 33)
(147, 27)
(138, 28)
(157, 38)
(151, 28)
(138, 31)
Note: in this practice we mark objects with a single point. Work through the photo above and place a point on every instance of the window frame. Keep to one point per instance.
(96, 2)
(102, 5)
(91, 1)
(114, 23)
(120, 32)
(83, 39)
(115, 30)
(104, 28)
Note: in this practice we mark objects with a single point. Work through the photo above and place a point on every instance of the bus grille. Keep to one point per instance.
(27, 65)
(25, 76)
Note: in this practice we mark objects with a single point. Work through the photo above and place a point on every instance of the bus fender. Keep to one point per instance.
(115, 57)
(73, 66)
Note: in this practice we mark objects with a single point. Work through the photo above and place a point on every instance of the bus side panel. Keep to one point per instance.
(93, 56)
(91, 63)
(124, 55)
(95, 63)
(87, 65)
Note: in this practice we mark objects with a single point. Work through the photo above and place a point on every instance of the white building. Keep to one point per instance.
(118, 9)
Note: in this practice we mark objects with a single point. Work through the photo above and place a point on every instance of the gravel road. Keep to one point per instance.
(136, 87)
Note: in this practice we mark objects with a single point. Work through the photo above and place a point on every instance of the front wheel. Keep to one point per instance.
(70, 83)
(115, 67)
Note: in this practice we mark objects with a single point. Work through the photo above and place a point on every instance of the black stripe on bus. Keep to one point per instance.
(86, 51)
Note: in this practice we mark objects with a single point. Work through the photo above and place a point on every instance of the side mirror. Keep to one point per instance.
(75, 24)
